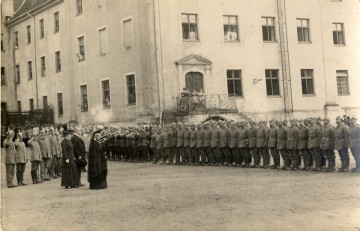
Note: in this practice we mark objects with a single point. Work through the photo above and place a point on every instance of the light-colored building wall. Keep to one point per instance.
(6, 58)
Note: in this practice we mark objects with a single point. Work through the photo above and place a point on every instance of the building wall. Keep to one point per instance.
(253, 56)
(6, 58)
(117, 63)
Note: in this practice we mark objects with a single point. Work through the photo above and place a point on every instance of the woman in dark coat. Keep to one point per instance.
(68, 170)
(97, 167)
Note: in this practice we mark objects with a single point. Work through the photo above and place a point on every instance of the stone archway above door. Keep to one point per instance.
(194, 63)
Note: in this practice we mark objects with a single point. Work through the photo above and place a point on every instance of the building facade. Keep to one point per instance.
(107, 61)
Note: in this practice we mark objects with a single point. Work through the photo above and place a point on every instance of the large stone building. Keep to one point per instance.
(132, 60)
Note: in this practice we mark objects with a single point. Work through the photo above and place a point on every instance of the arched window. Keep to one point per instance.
(194, 81)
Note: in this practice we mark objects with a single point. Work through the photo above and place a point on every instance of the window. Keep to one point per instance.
(81, 47)
(29, 70)
(102, 37)
(272, 82)
(131, 91)
(268, 29)
(43, 66)
(84, 98)
(3, 106)
(31, 104)
(56, 22)
(303, 30)
(17, 73)
(57, 61)
(342, 79)
(2, 42)
(45, 102)
(79, 7)
(128, 40)
(60, 104)
(338, 34)
(189, 26)
(231, 29)
(28, 34)
(16, 39)
(42, 29)
(105, 93)
(307, 81)
(234, 83)
(3, 79)
(19, 106)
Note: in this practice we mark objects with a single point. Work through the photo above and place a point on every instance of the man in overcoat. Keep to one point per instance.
(21, 159)
(79, 150)
(10, 158)
(342, 143)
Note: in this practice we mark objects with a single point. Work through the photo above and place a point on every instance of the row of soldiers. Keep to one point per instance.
(310, 142)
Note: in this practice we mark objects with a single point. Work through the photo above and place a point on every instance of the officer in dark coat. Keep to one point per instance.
(214, 144)
(79, 151)
(69, 176)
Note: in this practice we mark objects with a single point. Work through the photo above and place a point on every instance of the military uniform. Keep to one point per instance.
(185, 158)
(21, 160)
(291, 145)
(10, 161)
(233, 151)
(242, 144)
(272, 141)
(180, 146)
(252, 143)
(214, 144)
(200, 137)
(354, 143)
(207, 146)
(303, 134)
(223, 144)
(281, 146)
(261, 141)
(341, 134)
(327, 146)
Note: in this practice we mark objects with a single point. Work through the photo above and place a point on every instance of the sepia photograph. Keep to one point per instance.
(181, 115)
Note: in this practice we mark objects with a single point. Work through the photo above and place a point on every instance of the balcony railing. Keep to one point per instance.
(196, 104)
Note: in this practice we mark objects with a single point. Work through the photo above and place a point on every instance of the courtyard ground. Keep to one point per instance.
(160, 197)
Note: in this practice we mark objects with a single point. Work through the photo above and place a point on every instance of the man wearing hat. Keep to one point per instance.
(342, 143)
(224, 144)
(45, 155)
(21, 159)
(187, 137)
(281, 144)
(35, 158)
(79, 150)
(244, 158)
(354, 142)
(272, 139)
(314, 140)
(303, 145)
(69, 178)
(10, 158)
(327, 145)
(200, 138)
(207, 148)
(215, 155)
(179, 144)
(193, 150)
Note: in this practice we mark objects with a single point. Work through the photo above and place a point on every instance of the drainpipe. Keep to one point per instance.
(159, 58)
(285, 61)
(35, 63)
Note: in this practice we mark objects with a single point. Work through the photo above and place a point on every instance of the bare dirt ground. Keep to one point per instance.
(160, 197)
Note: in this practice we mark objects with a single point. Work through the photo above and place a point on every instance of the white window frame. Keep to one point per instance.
(99, 41)
(130, 18)
(80, 57)
(57, 102)
(87, 95)
(126, 88)
(102, 95)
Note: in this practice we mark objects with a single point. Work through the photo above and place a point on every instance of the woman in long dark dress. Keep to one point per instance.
(97, 166)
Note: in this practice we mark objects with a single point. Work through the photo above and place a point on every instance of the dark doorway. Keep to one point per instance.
(194, 81)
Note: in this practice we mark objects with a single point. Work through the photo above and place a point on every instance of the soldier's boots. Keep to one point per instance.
(346, 166)
(34, 176)
(341, 169)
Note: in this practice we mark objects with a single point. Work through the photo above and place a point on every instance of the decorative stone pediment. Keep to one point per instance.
(193, 60)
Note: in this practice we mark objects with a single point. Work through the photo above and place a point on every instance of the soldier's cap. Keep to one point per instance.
(326, 118)
(353, 117)
(339, 118)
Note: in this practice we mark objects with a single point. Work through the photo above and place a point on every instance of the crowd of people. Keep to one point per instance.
(308, 144)
(54, 151)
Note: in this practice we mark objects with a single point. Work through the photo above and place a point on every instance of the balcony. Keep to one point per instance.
(202, 104)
